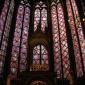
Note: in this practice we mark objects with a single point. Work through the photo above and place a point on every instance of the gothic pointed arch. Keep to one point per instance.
(61, 53)
(19, 48)
(40, 15)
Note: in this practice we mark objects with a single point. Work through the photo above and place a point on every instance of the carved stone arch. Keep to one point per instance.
(38, 82)
(39, 38)
(43, 79)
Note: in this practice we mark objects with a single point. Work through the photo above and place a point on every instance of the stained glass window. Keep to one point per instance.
(43, 19)
(40, 55)
(79, 30)
(63, 39)
(24, 41)
(40, 12)
(36, 19)
(16, 41)
(77, 35)
(19, 49)
(55, 31)
(5, 22)
(3, 17)
(61, 54)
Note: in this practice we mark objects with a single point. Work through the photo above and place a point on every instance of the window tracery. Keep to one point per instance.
(61, 54)
(19, 48)
(40, 14)
(40, 55)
